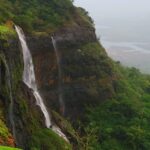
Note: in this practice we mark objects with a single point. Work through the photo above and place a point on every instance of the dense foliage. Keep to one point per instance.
(120, 119)
(36, 14)
(5, 32)
(123, 122)
(48, 140)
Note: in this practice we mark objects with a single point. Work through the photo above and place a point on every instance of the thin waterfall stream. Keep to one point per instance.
(60, 89)
(29, 75)
(11, 105)
(30, 80)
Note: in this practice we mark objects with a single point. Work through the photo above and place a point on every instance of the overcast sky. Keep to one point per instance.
(116, 8)
(128, 19)
(124, 28)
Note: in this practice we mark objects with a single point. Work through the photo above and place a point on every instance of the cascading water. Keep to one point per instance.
(11, 105)
(60, 90)
(29, 75)
(10, 111)
(30, 81)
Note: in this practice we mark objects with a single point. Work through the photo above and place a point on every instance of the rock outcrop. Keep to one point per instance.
(75, 65)
(83, 76)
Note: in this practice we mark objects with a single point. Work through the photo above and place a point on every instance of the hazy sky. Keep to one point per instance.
(129, 19)
(124, 29)
(115, 8)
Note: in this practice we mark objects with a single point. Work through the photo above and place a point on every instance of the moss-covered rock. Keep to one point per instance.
(48, 140)
(5, 135)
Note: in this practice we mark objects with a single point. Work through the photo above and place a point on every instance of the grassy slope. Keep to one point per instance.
(8, 148)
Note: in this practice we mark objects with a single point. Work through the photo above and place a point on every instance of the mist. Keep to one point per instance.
(115, 8)
(123, 28)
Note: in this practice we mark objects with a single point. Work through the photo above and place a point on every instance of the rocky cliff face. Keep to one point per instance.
(11, 61)
(87, 77)
(80, 70)
(95, 102)
(25, 111)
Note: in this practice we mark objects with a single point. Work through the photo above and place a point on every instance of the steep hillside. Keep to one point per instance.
(95, 102)
(123, 121)
(40, 15)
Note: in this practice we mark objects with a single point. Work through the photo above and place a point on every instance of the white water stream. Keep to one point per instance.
(29, 75)
(30, 81)
(60, 90)
(11, 105)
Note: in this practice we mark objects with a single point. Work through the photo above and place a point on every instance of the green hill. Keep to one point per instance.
(107, 106)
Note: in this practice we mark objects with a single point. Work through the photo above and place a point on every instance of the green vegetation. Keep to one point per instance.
(117, 99)
(42, 16)
(85, 16)
(4, 133)
(36, 14)
(123, 123)
(8, 148)
(47, 139)
(6, 32)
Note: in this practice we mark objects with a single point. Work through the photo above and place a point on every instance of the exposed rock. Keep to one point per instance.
(82, 77)
(76, 93)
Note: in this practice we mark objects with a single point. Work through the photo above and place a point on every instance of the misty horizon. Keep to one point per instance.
(123, 28)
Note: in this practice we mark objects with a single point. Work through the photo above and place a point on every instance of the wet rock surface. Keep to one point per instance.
(81, 77)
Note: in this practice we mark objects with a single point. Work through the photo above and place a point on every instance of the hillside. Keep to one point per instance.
(96, 102)
(39, 15)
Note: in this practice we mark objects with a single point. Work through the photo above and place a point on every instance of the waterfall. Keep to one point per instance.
(11, 105)
(60, 90)
(29, 75)
(30, 81)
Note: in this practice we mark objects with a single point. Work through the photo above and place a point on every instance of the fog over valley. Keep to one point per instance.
(123, 29)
